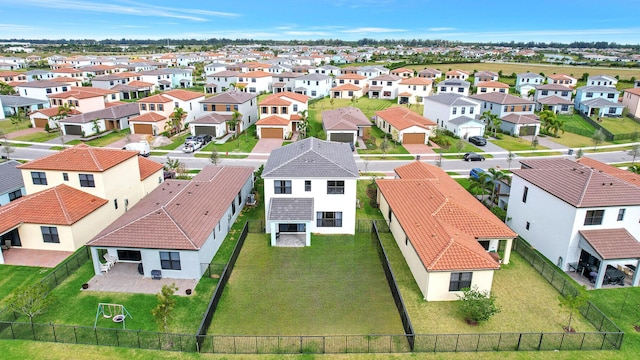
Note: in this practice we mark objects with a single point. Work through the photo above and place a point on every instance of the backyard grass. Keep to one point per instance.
(13, 277)
(7, 127)
(108, 139)
(366, 211)
(515, 143)
(576, 121)
(38, 136)
(245, 143)
(621, 125)
(336, 286)
(392, 146)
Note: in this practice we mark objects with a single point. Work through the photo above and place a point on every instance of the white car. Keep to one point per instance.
(191, 146)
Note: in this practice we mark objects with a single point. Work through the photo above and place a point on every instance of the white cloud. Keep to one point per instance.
(306, 33)
(441, 29)
(17, 28)
(372, 30)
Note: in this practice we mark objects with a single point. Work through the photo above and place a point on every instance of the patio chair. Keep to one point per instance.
(156, 274)
(104, 268)
(110, 258)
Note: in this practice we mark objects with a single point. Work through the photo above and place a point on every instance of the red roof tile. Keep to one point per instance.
(148, 167)
(184, 95)
(81, 158)
(401, 118)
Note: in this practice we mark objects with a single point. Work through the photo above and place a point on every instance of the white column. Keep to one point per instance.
(507, 251)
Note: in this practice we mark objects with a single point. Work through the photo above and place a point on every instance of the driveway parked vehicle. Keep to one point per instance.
(191, 146)
(204, 139)
(471, 156)
(478, 140)
(475, 173)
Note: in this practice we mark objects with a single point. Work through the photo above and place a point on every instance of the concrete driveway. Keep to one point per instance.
(419, 149)
(263, 148)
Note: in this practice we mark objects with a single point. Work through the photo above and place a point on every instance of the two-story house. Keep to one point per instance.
(402, 72)
(187, 100)
(455, 86)
(41, 89)
(84, 99)
(449, 240)
(11, 183)
(528, 81)
(491, 86)
(384, 87)
(592, 209)
(154, 115)
(219, 109)
(221, 81)
(309, 187)
(214, 68)
(74, 194)
(456, 113)
(280, 114)
(349, 86)
(430, 73)
(562, 79)
(160, 79)
(554, 97)
(313, 85)
(255, 82)
(457, 74)
(404, 125)
(517, 114)
(346, 124)
(413, 90)
(481, 76)
(631, 99)
(602, 80)
(598, 101)
(285, 81)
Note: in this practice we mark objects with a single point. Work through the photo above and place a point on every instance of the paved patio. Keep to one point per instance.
(582, 280)
(124, 278)
(291, 240)
(32, 257)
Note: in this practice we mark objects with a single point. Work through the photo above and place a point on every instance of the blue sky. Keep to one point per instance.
(472, 20)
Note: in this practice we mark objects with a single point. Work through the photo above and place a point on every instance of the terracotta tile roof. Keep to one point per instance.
(256, 74)
(81, 158)
(66, 71)
(65, 79)
(148, 167)
(561, 77)
(115, 103)
(401, 70)
(554, 100)
(624, 175)
(347, 118)
(493, 84)
(60, 205)
(51, 112)
(352, 77)
(612, 244)
(178, 214)
(282, 98)
(402, 118)
(347, 87)
(635, 91)
(82, 93)
(155, 99)
(273, 120)
(137, 83)
(212, 118)
(148, 117)
(521, 119)
(184, 95)
(416, 81)
(229, 97)
(441, 219)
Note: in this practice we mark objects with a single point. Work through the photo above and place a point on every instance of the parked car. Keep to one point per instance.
(478, 140)
(475, 173)
(142, 147)
(204, 139)
(471, 156)
(191, 146)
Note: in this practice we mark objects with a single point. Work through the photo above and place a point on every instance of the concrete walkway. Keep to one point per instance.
(224, 138)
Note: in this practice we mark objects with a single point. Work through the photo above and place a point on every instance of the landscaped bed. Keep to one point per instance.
(334, 287)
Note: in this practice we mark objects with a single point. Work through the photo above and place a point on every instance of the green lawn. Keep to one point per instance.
(13, 277)
(109, 138)
(7, 127)
(336, 286)
(576, 121)
(516, 143)
(621, 125)
(392, 146)
(38, 137)
(572, 140)
(245, 143)
(366, 211)
(176, 142)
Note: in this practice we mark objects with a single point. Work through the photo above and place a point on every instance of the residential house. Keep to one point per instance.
(107, 82)
(456, 113)
(404, 125)
(41, 89)
(114, 117)
(160, 79)
(430, 73)
(402, 72)
(221, 81)
(179, 227)
(214, 68)
(457, 74)
(134, 90)
(285, 81)
(255, 82)
(371, 71)
(517, 114)
(224, 105)
(592, 208)
(598, 101)
(528, 81)
(349, 85)
(562, 79)
(328, 70)
(74, 194)
(11, 183)
(602, 80)
(68, 72)
(187, 100)
(313, 85)
(84, 99)
(48, 116)
(556, 98)
(484, 76)
(34, 75)
(12, 104)
(413, 90)
(310, 187)
(491, 86)
(280, 114)
(346, 125)
(13, 77)
(155, 112)
(631, 99)
(455, 86)
(449, 240)
(384, 87)
(180, 77)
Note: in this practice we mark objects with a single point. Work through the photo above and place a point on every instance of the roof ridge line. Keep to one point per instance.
(584, 190)
(95, 159)
(62, 205)
(163, 208)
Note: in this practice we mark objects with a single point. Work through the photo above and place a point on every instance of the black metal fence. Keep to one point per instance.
(366, 226)
(393, 286)
(256, 226)
(217, 294)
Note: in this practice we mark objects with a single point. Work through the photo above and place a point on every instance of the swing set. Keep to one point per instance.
(116, 312)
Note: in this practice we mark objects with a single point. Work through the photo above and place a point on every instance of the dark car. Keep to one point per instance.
(478, 140)
(204, 138)
(471, 156)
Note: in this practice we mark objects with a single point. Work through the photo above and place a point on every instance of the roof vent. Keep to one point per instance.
(206, 213)
(177, 204)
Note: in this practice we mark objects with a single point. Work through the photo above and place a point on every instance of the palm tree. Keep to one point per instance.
(634, 169)
(234, 123)
(303, 125)
(6, 89)
(492, 120)
(176, 117)
(494, 177)
(547, 118)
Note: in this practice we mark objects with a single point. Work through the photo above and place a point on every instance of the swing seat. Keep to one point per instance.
(118, 318)
(106, 316)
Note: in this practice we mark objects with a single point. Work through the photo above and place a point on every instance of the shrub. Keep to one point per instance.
(499, 213)
(47, 128)
(476, 305)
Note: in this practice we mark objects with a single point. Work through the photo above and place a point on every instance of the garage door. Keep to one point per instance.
(41, 123)
(341, 137)
(205, 130)
(143, 129)
(73, 129)
(413, 138)
(527, 130)
(271, 133)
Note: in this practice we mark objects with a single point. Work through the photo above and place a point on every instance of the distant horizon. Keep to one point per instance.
(347, 20)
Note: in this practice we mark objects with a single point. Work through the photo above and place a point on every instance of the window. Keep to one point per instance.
(524, 194)
(233, 208)
(307, 185)
(460, 280)
(506, 108)
(152, 107)
(295, 106)
(235, 107)
(594, 217)
(15, 195)
(115, 203)
(527, 225)
(39, 178)
(564, 108)
(313, 93)
(443, 88)
(274, 109)
(483, 90)
(471, 110)
(462, 110)
(86, 180)
(170, 260)
(240, 197)
(329, 219)
(460, 90)
(621, 214)
(175, 104)
(282, 187)
(65, 176)
(589, 94)
(48, 91)
(263, 110)
(544, 92)
(228, 108)
(129, 255)
(284, 110)
(50, 234)
(612, 110)
(144, 107)
(565, 93)
(611, 96)
(204, 107)
(455, 111)
(160, 107)
(335, 187)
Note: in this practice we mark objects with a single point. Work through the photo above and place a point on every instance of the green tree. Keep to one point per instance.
(634, 152)
(234, 124)
(174, 125)
(495, 176)
(384, 146)
(163, 312)
(492, 120)
(634, 169)
(573, 302)
(303, 125)
(214, 157)
(597, 137)
(6, 89)
(30, 301)
(476, 305)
